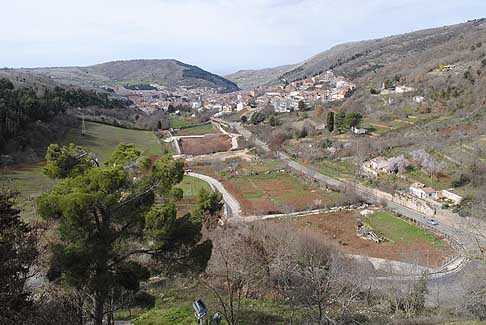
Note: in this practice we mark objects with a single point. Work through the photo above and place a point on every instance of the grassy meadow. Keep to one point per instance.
(99, 138)
(397, 229)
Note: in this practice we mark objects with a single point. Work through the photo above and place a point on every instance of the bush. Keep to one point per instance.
(460, 180)
(144, 300)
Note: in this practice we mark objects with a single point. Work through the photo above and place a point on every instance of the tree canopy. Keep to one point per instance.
(18, 253)
(108, 218)
(19, 107)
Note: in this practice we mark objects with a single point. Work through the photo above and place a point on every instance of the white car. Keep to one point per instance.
(433, 222)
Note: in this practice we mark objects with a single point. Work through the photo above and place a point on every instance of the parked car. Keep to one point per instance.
(432, 222)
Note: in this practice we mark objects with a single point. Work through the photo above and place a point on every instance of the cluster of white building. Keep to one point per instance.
(423, 191)
(325, 87)
(381, 165)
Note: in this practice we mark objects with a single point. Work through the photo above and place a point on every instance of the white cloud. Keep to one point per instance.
(221, 35)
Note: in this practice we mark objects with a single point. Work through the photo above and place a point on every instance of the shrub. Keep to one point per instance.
(460, 180)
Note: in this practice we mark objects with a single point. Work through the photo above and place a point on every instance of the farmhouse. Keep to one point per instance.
(379, 164)
(376, 166)
(422, 191)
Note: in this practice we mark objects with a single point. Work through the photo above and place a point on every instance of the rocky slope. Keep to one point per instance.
(248, 79)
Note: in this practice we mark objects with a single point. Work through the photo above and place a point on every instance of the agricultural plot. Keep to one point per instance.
(177, 122)
(198, 130)
(396, 229)
(205, 145)
(191, 187)
(277, 193)
(337, 168)
(406, 242)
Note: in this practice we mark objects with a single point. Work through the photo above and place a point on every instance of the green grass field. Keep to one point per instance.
(177, 122)
(397, 229)
(175, 307)
(338, 168)
(198, 130)
(191, 186)
(100, 139)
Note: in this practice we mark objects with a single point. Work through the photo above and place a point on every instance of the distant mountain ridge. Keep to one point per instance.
(247, 79)
(166, 72)
(364, 58)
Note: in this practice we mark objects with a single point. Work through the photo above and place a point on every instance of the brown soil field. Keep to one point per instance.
(205, 145)
(276, 193)
(341, 228)
(273, 193)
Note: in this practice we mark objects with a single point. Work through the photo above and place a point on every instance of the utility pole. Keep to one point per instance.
(83, 127)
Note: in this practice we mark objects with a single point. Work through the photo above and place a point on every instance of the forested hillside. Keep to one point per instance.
(31, 117)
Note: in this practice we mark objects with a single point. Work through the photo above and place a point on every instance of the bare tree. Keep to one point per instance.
(237, 269)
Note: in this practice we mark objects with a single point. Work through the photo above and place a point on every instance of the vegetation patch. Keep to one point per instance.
(397, 229)
(99, 138)
(102, 139)
(192, 185)
(198, 130)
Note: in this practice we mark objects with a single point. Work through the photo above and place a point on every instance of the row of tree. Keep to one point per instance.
(342, 121)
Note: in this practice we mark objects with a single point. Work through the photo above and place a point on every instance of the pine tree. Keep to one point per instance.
(330, 121)
(102, 209)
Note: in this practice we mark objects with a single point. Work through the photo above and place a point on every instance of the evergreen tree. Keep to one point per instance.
(339, 121)
(18, 254)
(330, 121)
(107, 217)
(301, 105)
(352, 119)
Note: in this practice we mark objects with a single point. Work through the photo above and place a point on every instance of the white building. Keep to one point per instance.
(196, 105)
(240, 106)
(359, 131)
(419, 99)
(403, 89)
(422, 191)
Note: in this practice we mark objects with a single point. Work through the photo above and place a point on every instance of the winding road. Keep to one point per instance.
(232, 208)
(467, 233)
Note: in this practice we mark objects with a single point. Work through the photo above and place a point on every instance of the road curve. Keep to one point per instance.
(449, 280)
(232, 208)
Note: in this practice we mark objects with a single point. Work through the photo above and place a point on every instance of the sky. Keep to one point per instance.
(222, 36)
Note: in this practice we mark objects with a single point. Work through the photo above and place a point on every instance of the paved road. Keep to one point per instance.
(455, 230)
(458, 229)
(232, 206)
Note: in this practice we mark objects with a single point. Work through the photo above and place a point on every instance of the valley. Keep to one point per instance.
(345, 189)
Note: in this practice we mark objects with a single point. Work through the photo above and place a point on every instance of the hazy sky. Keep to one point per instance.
(219, 35)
